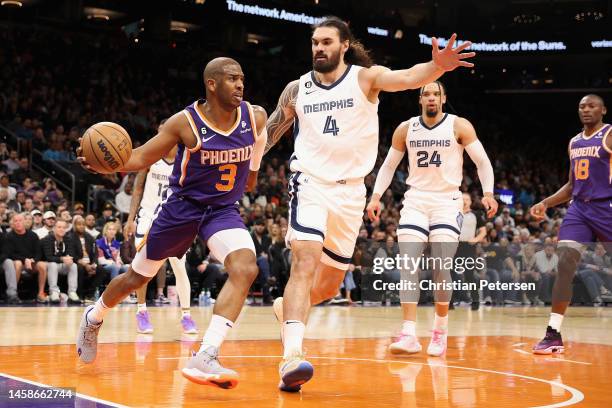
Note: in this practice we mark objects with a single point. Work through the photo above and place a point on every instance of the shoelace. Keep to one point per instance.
(437, 336)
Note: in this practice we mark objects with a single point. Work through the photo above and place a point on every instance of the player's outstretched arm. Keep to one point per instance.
(139, 183)
(282, 118)
(467, 137)
(176, 130)
(442, 61)
(261, 139)
(387, 170)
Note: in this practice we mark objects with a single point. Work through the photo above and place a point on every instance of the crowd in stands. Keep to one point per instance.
(48, 97)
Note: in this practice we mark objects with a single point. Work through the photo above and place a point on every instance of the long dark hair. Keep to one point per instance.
(356, 53)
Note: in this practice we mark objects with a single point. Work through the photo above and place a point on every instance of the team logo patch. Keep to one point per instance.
(243, 124)
(203, 130)
(308, 84)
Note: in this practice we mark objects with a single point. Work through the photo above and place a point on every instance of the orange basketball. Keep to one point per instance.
(106, 147)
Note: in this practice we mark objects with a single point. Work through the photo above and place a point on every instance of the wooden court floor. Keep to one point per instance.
(488, 363)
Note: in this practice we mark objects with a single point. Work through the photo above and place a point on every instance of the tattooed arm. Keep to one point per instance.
(282, 118)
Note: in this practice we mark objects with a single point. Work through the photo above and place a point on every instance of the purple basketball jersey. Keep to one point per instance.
(216, 170)
(591, 165)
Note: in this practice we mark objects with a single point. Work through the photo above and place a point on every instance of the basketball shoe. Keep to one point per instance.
(294, 371)
(551, 343)
(189, 326)
(437, 345)
(143, 323)
(204, 368)
(87, 338)
(407, 344)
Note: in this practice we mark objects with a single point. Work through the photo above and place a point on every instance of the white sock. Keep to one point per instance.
(96, 315)
(409, 328)
(217, 330)
(440, 323)
(555, 321)
(142, 307)
(185, 312)
(293, 336)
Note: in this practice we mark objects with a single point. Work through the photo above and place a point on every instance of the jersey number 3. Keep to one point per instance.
(423, 156)
(330, 126)
(228, 177)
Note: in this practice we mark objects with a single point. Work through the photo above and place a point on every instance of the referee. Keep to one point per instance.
(473, 231)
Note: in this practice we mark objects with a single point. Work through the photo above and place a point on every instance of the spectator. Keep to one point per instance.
(546, 262)
(262, 244)
(4, 186)
(12, 163)
(18, 205)
(4, 215)
(530, 274)
(22, 172)
(64, 214)
(78, 209)
(21, 253)
(59, 252)
(108, 251)
(48, 223)
(4, 152)
(90, 225)
(37, 219)
(85, 255)
(107, 216)
(124, 199)
(279, 257)
(501, 268)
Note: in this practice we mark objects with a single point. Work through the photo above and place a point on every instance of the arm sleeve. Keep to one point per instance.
(258, 150)
(485, 171)
(387, 170)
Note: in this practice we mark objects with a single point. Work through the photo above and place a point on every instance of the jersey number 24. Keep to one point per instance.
(423, 159)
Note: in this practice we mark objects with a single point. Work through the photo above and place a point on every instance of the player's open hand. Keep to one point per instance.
(81, 159)
(373, 210)
(538, 211)
(490, 204)
(450, 58)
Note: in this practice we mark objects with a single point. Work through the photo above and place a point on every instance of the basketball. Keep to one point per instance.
(106, 146)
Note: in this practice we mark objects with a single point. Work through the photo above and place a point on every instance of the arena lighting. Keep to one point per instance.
(98, 17)
(11, 3)
(181, 26)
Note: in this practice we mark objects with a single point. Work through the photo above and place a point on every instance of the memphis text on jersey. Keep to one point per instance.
(215, 157)
(329, 106)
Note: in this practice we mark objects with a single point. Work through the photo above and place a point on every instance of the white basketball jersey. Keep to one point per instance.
(435, 158)
(155, 187)
(336, 130)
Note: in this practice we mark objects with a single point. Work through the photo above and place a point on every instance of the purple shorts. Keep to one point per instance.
(181, 219)
(586, 221)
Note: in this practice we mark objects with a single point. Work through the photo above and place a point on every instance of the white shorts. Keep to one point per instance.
(221, 244)
(331, 213)
(427, 213)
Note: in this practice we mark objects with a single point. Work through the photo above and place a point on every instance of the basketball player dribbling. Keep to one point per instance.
(150, 190)
(334, 111)
(220, 144)
(589, 215)
(433, 207)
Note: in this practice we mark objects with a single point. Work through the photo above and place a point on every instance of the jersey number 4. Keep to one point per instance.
(424, 161)
(330, 126)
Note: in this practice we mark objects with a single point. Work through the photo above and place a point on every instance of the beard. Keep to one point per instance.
(327, 65)
(431, 113)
